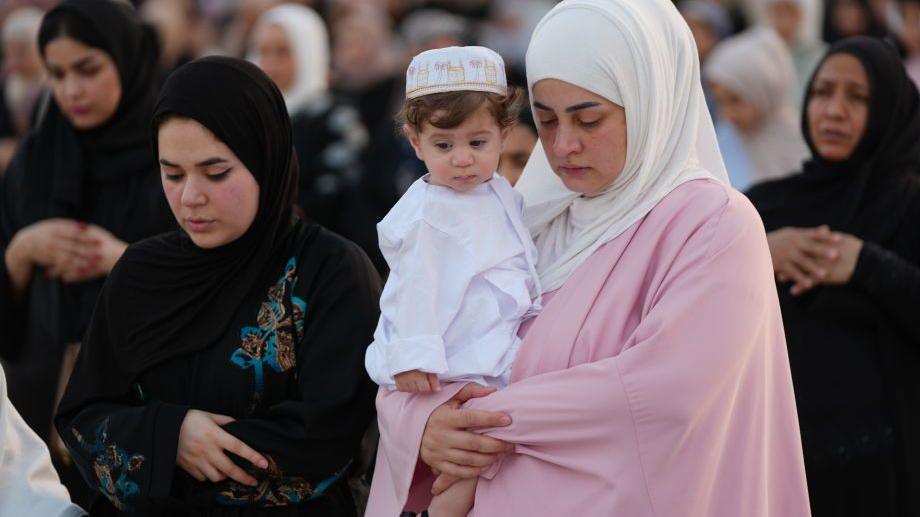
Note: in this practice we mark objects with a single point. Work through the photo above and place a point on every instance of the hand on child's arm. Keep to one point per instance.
(415, 381)
(442, 482)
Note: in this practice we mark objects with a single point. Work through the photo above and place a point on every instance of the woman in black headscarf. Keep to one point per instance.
(223, 371)
(82, 185)
(846, 250)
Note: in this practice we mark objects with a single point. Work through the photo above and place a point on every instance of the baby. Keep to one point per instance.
(462, 264)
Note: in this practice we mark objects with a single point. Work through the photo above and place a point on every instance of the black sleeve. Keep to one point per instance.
(893, 282)
(123, 445)
(310, 439)
(12, 308)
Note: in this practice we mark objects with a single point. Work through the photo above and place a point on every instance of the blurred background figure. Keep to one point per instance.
(518, 146)
(904, 23)
(752, 79)
(846, 18)
(427, 29)
(367, 61)
(81, 186)
(710, 23)
(22, 78)
(798, 23)
(846, 252)
(181, 33)
(507, 31)
(291, 44)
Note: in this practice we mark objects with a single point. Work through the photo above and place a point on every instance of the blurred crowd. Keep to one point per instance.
(340, 65)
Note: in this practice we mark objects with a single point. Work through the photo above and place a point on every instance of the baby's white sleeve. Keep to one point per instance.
(428, 285)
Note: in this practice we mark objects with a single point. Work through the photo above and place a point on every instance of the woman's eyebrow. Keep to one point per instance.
(570, 109)
(211, 161)
(581, 106)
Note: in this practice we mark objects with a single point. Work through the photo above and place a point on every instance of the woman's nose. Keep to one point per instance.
(566, 142)
(193, 192)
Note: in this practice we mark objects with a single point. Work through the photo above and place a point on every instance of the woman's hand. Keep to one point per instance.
(46, 243)
(840, 271)
(803, 255)
(50, 241)
(450, 448)
(809, 257)
(95, 256)
(201, 448)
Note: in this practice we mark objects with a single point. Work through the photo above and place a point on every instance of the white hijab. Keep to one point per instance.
(757, 67)
(29, 484)
(812, 17)
(309, 42)
(638, 54)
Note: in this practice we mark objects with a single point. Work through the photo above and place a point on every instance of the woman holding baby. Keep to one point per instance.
(655, 381)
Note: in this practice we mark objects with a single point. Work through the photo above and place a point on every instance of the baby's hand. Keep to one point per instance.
(415, 381)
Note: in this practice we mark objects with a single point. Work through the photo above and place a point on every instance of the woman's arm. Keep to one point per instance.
(893, 282)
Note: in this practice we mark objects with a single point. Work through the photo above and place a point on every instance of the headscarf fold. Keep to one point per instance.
(166, 297)
(640, 55)
(757, 66)
(309, 41)
(865, 194)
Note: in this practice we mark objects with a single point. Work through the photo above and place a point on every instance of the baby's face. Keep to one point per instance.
(462, 157)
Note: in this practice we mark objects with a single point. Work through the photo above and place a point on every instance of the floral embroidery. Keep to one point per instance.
(280, 326)
(274, 489)
(112, 464)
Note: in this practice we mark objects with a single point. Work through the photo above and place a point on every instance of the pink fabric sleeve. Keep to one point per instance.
(402, 418)
(703, 380)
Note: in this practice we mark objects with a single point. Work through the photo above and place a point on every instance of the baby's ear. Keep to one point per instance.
(414, 140)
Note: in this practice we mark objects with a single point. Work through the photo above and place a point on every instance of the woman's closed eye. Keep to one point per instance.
(220, 176)
(548, 122)
(589, 124)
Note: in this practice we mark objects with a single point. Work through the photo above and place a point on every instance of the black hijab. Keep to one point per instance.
(65, 160)
(869, 193)
(167, 297)
(832, 35)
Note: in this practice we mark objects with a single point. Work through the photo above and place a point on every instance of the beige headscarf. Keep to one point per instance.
(309, 42)
(757, 67)
(640, 55)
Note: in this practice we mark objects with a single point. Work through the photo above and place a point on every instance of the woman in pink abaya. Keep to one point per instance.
(655, 382)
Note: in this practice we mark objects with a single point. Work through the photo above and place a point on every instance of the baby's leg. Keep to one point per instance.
(456, 501)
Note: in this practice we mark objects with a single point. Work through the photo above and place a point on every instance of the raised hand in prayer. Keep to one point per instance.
(202, 443)
(803, 256)
(415, 381)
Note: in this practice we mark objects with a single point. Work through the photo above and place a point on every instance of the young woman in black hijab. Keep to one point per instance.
(223, 371)
(82, 185)
(845, 242)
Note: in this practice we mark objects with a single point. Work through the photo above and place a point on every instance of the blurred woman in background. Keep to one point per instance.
(291, 44)
(752, 78)
(846, 251)
(81, 186)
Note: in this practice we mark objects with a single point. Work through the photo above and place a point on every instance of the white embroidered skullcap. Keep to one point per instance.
(456, 69)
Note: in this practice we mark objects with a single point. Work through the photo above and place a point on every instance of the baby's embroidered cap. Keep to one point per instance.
(456, 69)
